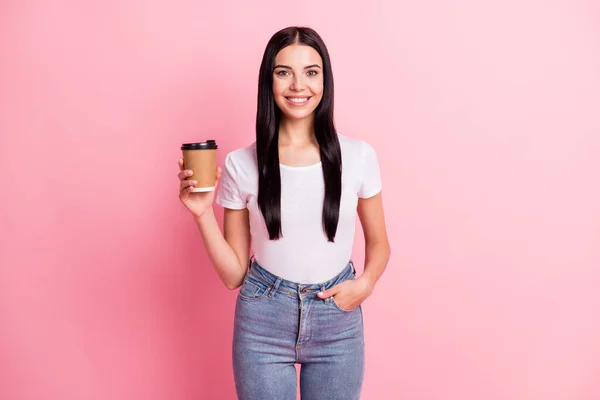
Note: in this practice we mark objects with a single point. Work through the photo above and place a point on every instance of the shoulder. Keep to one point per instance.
(242, 166)
(355, 150)
(243, 157)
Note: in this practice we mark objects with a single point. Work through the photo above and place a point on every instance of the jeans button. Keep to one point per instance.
(303, 290)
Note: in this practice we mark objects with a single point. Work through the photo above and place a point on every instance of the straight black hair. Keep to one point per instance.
(268, 116)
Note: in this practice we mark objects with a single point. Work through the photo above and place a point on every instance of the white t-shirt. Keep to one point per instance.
(303, 253)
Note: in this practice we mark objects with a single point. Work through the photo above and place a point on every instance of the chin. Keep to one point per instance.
(296, 116)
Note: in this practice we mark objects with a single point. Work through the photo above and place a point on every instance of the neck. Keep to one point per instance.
(296, 132)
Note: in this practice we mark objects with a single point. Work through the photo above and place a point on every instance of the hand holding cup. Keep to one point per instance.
(198, 176)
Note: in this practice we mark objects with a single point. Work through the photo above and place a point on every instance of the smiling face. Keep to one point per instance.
(298, 81)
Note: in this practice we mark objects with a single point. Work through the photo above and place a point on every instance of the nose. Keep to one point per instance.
(298, 83)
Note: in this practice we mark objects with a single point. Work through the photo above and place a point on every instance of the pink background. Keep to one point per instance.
(485, 116)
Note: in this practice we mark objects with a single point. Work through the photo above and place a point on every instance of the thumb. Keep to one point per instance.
(329, 292)
(217, 178)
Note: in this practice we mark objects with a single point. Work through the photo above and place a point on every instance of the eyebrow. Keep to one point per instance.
(288, 67)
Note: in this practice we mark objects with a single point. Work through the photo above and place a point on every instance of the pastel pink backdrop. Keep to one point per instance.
(485, 116)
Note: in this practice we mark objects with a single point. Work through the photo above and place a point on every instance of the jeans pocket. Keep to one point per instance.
(349, 277)
(340, 308)
(252, 290)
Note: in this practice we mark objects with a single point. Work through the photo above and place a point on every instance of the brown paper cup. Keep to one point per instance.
(201, 158)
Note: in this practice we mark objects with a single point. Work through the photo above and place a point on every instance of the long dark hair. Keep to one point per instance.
(268, 117)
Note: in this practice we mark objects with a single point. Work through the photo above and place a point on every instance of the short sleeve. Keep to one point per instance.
(228, 191)
(370, 183)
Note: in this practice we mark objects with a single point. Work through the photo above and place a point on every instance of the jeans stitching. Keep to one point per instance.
(271, 285)
(333, 282)
(254, 298)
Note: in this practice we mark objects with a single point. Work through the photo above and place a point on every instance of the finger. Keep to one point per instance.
(187, 184)
(329, 292)
(185, 192)
(185, 174)
(218, 177)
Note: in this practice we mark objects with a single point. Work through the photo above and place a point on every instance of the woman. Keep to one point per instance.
(293, 196)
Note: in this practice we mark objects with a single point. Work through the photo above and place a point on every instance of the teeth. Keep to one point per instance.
(298, 100)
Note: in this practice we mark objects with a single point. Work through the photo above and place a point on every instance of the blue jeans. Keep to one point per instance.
(279, 323)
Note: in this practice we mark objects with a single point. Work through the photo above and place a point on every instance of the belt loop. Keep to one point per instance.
(274, 287)
(352, 265)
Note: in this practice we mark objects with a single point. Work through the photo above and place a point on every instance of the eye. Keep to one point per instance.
(312, 73)
(282, 72)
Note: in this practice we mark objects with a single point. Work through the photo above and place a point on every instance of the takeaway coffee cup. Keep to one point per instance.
(201, 158)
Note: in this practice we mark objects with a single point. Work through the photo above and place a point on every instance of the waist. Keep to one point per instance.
(268, 278)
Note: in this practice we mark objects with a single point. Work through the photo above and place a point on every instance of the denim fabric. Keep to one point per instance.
(279, 323)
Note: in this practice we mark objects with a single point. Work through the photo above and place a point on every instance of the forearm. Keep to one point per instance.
(376, 259)
(221, 254)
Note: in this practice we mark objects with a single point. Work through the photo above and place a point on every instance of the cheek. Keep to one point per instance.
(317, 88)
(278, 88)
